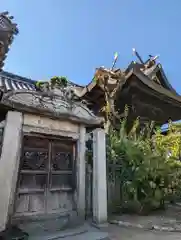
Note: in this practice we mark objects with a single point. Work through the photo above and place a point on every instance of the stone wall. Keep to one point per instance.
(49, 124)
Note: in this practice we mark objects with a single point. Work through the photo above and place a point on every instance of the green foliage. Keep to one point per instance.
(38, 84)
(150, 170)
(54, 82)
(59, 81)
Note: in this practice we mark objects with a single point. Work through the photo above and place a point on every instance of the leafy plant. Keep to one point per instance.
(58, 82)
(150, 171)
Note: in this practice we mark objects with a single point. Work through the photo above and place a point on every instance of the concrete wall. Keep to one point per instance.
(9, 165)
(47, 123)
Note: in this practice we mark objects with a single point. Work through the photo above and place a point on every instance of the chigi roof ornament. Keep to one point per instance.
(7, 31)
(137, 55)
(148, 63)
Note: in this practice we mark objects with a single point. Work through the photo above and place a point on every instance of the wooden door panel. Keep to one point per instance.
(62, 156)
(60, 197)
(59, 202)
(32, 182)
(35, 159)
(46, 177)
(22, 204)
(30, 203)
(61, 181)
(37, 203)
(36, 142)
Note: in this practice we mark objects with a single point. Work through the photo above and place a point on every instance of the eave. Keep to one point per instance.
(148, 100)
(12, 82)
(154, 86)
(165, 79)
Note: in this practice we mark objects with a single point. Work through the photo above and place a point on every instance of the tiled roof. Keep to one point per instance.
(10, 82)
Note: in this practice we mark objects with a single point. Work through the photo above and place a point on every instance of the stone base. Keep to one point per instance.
(85, 231)
(100, 225)
(13, 233)
(49, 223)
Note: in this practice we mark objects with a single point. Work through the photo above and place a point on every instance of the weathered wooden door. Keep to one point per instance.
(46, 177)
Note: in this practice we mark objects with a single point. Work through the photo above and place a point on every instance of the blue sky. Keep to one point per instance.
(73, 37)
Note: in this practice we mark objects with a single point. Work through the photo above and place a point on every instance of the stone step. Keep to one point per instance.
(51, 222)
(84, 232)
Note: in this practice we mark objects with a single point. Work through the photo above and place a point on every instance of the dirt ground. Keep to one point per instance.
(120, 233)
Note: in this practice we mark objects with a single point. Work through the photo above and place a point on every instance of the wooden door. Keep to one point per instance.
(46, 177)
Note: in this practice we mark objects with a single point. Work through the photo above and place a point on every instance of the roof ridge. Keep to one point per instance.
(17, 77)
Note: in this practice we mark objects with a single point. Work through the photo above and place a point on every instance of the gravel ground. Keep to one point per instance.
(120, 233)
